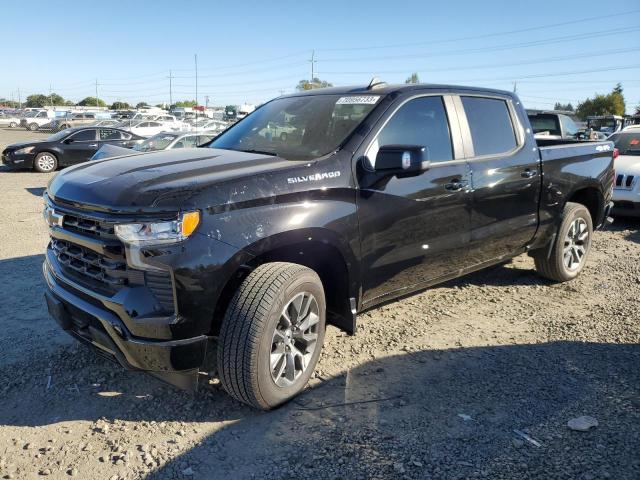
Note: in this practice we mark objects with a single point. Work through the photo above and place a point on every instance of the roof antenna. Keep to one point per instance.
(376, 83)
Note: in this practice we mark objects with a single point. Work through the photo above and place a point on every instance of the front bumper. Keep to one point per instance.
(12, 160)
(92, 319)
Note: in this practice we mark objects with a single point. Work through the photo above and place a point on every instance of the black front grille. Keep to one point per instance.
(619, 179)
(629, 181)
(89, 226)
(110, 271)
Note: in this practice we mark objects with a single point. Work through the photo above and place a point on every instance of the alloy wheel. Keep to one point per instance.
(46, 162)
(575, 244)
(294, 339)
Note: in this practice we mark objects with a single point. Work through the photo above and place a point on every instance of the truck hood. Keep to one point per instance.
(628, 164)
(160, 181)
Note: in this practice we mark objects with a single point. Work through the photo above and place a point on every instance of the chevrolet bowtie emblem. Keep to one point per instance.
(52, 218)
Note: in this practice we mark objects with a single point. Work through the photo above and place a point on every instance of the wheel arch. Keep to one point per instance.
(589, 195)
(316, 248)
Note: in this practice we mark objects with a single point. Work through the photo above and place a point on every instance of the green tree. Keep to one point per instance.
(37, 100)
(311, 85)
(566, 107)
(638, 109)
(119, 106)
(8, 103)
(142, 105)
(92, 102)
(186, 103)
(610, 104)
(414, 78)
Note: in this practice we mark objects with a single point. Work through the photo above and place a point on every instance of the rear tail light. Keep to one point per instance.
(616, 153)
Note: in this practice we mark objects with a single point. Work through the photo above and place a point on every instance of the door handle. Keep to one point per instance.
(528, 173)
(456, 185)
(93, 145)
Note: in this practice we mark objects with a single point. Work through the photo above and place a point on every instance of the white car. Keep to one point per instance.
(626, 192)
(35, 119)
(146, 128)
(9, 120)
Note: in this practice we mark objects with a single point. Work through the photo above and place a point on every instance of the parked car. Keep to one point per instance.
(552, 125)
(607, 124)
(626, 193)
(64, 148)
(161, 141)
(34, 119)
(254, 243)
(74, 120)
(10, 120)
(106, 123)
(145, 128)
(208, 125)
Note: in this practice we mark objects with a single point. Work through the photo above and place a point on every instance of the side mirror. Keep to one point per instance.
(402, 159)
(68, 141)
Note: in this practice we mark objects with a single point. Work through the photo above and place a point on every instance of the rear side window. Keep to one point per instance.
(490, 124)
(421, 121)
(84, 136)
(109, 134)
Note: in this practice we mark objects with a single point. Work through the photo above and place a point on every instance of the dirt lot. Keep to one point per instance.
(432, 387)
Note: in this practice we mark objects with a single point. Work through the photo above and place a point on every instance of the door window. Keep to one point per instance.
(84, 136)
(109, 134)
(422, 122)
(490, 124)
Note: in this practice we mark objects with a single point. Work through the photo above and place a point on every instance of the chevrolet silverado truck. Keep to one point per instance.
(244, 250)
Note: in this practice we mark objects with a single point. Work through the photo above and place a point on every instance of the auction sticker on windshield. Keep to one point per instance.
(361, 100)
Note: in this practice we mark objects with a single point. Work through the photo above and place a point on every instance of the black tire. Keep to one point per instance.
(33, 127)
(246, 341)
(555, 266)
(13, 125)
(45, 162)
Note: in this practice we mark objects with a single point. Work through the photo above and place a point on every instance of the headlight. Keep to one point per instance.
(24, 150)
(154, 233)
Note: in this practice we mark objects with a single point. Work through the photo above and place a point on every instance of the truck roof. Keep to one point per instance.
(386, 89)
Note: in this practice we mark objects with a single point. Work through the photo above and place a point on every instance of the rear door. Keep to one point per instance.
(505, 176)
(413, 228)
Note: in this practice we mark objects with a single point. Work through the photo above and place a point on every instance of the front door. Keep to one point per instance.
(80, 147)
(413, 229)
(505, 178)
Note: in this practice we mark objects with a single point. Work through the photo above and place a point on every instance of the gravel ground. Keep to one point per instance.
(432, 387)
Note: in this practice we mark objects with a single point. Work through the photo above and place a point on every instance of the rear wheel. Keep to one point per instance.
(571, 245)
(13, 125)
(45, 162)
(33, 127)
(272, 334)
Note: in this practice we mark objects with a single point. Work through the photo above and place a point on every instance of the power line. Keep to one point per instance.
(495, 65)
(494, 48)
(486, 35)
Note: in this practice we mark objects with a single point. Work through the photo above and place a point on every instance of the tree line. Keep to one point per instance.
(612, 103)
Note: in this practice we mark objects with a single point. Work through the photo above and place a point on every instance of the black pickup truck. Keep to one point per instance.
(252, 245)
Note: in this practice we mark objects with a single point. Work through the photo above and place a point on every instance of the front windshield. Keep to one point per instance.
(157, 142)
(627, 143)
(298, 128)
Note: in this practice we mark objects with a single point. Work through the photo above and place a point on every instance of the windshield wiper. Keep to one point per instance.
(263, 152)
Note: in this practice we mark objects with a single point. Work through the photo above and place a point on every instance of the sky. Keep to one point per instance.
(252, 51)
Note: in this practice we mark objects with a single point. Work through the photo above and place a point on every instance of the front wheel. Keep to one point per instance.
(272, 334)
(33, 127)
(13, 125)
(571, 246)
(45, 162)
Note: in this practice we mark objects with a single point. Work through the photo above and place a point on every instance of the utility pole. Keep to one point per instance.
(312, 61)
(206, 101)
(515, 86)
(170, 89)
(50, 96)
(19, 99)
(97, 93)
(195, 57)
